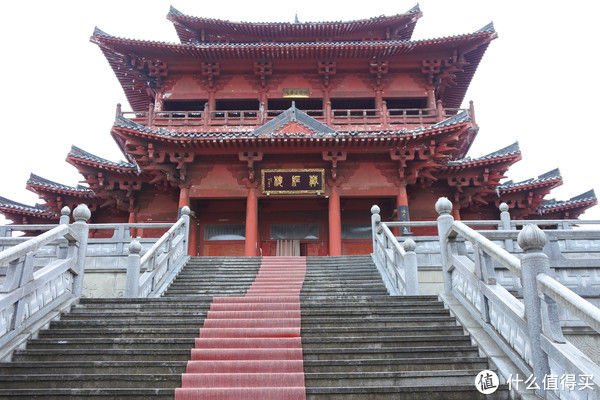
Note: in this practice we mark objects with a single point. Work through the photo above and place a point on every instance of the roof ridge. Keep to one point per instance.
(11, 204)
(487, 28)
(415, 9)
(505, 151)
(100, 32)
(80, 153)
(293, 114)
(38, 180)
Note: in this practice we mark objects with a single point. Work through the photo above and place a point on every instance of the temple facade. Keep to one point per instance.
(280, 136)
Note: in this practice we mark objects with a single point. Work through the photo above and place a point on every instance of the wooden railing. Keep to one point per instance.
(384, 118)
(30, 299)
(527, 331)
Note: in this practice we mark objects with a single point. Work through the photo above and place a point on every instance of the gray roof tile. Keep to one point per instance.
(292, 114)
(506, 151)
(319, 128)
(548, 176)
(549, 205)
(39, 181)
(37, 209)
(82, 154)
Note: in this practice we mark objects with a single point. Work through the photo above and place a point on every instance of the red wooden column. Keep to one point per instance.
(132, 220)
(402, 207)
(184, 197)
(251, 243)
(335, 223)
(456, 212)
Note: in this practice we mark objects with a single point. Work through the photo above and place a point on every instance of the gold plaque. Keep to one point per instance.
(293, 181)
(296, 93)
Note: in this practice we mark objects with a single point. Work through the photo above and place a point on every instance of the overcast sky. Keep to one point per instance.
(537, 83)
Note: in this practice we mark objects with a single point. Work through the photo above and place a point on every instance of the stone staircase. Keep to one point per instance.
(358, 342)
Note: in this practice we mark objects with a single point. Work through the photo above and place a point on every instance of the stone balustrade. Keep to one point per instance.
(528, 331)
(30, 298)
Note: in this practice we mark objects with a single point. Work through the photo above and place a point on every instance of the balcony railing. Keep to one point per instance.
(342, 119)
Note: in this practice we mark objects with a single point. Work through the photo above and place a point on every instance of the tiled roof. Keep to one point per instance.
(550, 176)
(513, 149)
(392, 47)
(585, 199)
(188, 27)
(292, 114)
(39, 181)
(271, 127)
(462, 116)
(76, 152)
(114, 48)
(21, 208)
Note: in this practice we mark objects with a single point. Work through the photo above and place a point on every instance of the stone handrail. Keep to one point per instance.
(396, 263)
(160, 263)
(30, 299)
(528, 332)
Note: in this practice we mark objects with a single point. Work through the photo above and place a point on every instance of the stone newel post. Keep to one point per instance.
(533, 262)
(132, 283)
(505, 225)
(444, 207)
(411, 272)
(65, 213)
(375, 220)
(81, 215)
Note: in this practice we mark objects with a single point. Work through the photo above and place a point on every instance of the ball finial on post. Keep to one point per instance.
(185, 210)
(409, 245)
(503, 207)
(135, 247)
(531, 237)
(82, 213)
(443, 206)
(375, 209)
(64, 215)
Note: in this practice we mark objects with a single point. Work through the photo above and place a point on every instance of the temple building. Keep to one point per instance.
(280, 136)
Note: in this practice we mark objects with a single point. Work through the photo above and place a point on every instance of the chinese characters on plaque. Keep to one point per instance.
(293, 181)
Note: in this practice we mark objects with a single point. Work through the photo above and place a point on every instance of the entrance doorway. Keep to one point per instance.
(286, 248)
(293, 227)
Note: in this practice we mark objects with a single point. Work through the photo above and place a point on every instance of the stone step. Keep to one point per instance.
(63, 381)
(91, 354)
(405, 378)
(395, 364)
(110, 343)
(390, 353)
(382, 342)
(85, 394)
(92, 367)
(438, 392)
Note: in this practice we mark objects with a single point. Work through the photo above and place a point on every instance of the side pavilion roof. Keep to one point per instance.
(37, 183)
(8, 206)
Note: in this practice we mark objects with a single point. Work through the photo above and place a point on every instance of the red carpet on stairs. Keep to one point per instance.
(250, 347)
